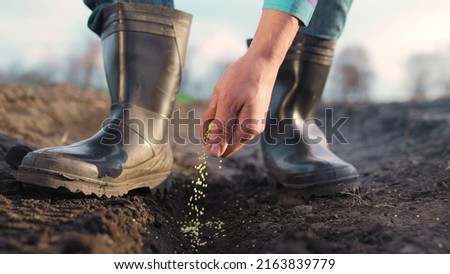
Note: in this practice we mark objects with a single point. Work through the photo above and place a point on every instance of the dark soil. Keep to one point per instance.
(402, 152)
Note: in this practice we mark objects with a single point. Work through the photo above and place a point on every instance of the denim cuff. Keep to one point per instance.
(301, 9)
(97, 6)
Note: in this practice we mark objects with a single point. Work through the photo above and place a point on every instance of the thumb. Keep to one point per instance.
(221, 132)
(206, 122)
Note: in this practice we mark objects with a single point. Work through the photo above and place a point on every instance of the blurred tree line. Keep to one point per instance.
(352, 75)
(81, 69)
(351, 80)
(428, 75)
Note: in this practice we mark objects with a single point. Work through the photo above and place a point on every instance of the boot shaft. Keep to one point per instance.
(302, 78)
(298, 88)
(144, 49)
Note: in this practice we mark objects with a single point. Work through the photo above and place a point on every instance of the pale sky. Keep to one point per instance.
(35, 30)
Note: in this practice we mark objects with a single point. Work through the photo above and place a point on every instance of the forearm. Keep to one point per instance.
(243, 93)
(274, 35)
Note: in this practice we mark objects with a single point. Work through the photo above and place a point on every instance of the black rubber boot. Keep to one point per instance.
(143, 51)
(295, 150)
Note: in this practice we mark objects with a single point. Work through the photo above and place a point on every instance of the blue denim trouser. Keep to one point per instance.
(327, 22)
(95, 21)
(328, 19)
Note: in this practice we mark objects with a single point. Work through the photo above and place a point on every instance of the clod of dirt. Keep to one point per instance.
(16, 154)
(401, 149)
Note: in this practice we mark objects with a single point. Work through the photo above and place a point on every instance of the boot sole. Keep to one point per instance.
(322, 188)
(61, 182)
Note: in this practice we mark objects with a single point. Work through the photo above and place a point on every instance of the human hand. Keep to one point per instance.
(241, 98)
(239, 104)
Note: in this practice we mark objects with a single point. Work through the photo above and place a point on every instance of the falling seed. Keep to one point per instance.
(192, 227)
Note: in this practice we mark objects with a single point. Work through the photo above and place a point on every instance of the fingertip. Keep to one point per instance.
(215, 150)
(218, 150)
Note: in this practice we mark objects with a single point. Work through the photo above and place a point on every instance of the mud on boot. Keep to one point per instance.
(143, 51)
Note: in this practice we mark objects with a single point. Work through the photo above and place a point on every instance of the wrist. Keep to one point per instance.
(274, 35)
